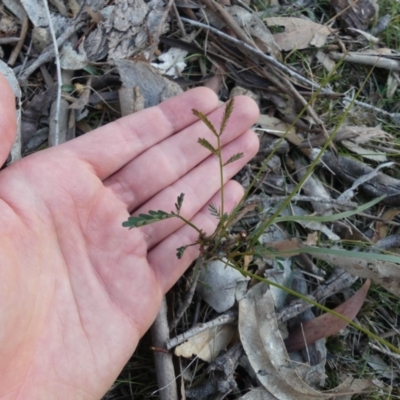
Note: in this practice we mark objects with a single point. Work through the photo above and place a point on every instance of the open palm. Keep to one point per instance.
(77, 290)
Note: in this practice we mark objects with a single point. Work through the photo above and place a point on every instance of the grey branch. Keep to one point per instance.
(228, 318)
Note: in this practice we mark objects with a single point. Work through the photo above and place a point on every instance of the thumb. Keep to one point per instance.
(8, 123)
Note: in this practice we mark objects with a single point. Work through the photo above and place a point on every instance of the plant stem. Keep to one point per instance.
(221, 176)
(186, 221)
(320, 306)
(310, 169)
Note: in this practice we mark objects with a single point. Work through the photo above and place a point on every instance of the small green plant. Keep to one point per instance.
(221, 245)
(220, 233)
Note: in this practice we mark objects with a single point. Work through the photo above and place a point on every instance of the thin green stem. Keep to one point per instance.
(187, 222)
(221, 176)
(320, 306)
(309, 171)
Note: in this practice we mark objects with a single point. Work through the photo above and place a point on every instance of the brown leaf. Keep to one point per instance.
(326, 324)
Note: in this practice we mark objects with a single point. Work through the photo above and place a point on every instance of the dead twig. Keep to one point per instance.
(380, 219)
(189, 294)
(221, 12)
(178, 19)
(9, 40)
(228, 318)
(160, 26)
(163, 361)
(59, 77)
(384, 351)
(18, 47)
(374, 60)
(273, 61)
(310, 111)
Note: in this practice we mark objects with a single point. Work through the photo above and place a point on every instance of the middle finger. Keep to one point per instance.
(173, 158)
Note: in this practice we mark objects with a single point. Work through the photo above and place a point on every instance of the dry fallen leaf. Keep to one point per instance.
(208, 344)
(299, 33)
(281, 378)
(218, 285)
(382, 228)
(264, 347)
(278, 128)
(326, 324)
(153, 87)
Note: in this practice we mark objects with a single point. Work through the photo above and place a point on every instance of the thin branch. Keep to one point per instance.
(273, 61)
(160, 27)
(18, 47)
(9, 40)
(228, 318)
(189, 294)
(163, 361)
(310, 112)
(59, 77)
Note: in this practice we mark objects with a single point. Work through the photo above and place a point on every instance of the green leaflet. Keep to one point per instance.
(146, 219)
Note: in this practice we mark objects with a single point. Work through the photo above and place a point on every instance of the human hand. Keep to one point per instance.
(77, 290)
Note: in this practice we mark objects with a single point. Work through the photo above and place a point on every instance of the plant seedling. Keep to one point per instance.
(221, 230)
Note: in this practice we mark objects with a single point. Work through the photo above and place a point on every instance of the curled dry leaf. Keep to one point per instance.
(264, 347)
(369, 154)
(314, 187)
(279, 271)
(326, 324)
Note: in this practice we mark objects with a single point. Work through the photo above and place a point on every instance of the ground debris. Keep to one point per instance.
(320, 75)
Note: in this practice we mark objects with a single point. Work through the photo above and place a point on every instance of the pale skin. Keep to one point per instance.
(77, 290)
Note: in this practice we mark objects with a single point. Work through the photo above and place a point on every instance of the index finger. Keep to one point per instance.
(109, 148)
(8, 122)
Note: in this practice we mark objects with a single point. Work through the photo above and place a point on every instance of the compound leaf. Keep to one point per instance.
(235, 157)
(205, 143)
(214, 211)
(146, 219)
(180, 251)
(227, 114)
(179, 201)
(206, 121)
